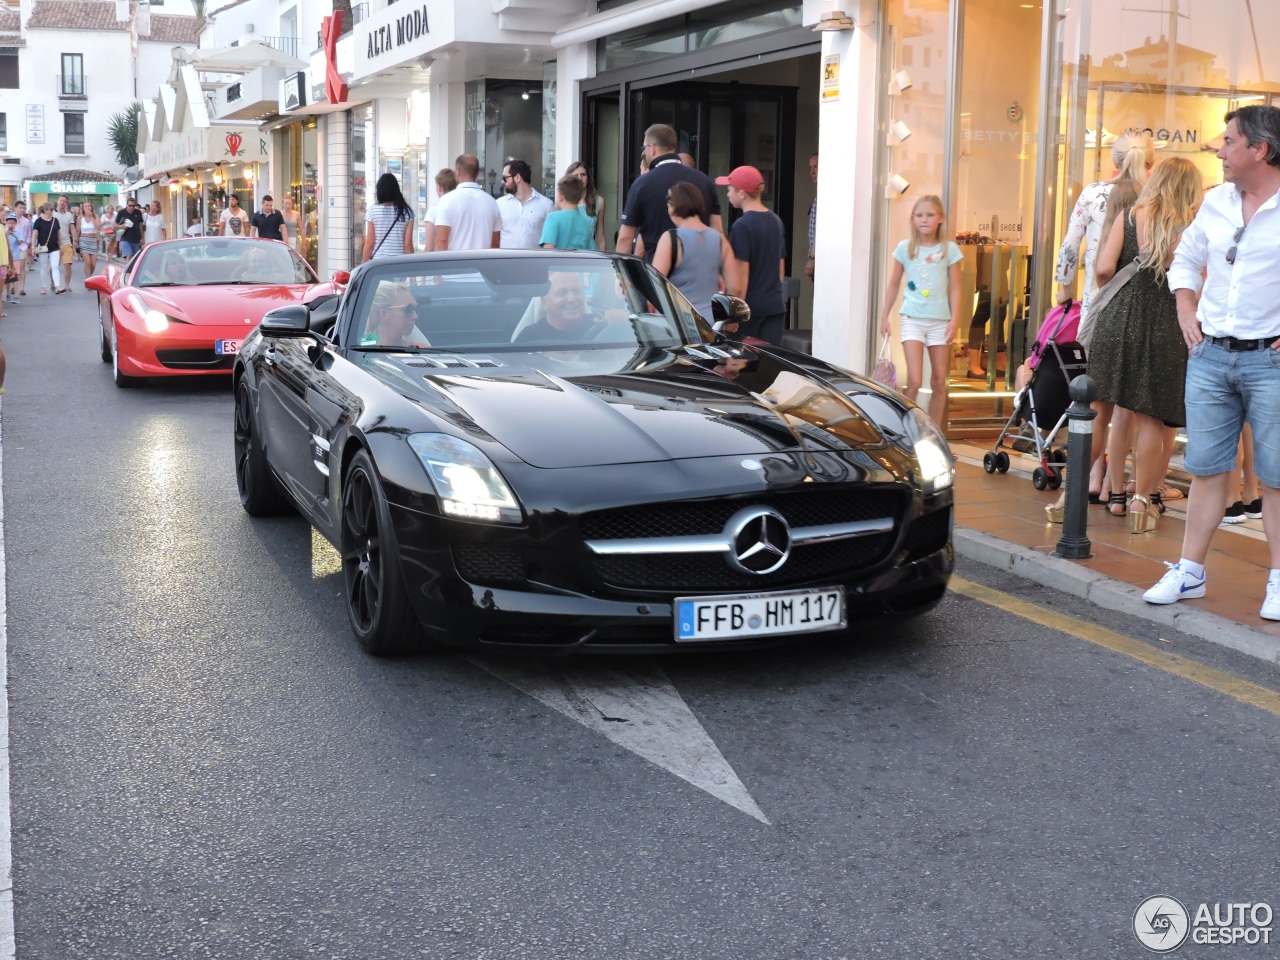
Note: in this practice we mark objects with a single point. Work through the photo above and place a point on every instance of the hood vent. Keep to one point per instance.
(450, 362)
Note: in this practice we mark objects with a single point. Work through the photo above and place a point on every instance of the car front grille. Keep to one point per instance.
(481, 563)
(195, 359)
(928, 534)
(804, 509)
(697, 572)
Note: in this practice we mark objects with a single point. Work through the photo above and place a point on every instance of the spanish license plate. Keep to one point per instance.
(226, 346)
(759, 614)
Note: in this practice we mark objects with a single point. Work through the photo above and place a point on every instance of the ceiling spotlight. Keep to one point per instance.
(897, 186)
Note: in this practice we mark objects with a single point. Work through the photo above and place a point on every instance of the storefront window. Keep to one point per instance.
(361, 187)
(1173, 73)
(504, 121)
(695, 31)
(967, 128)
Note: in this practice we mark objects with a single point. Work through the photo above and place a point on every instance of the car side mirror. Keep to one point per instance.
(342, 276)
(99, 283)
(727, 309)
(289, 321)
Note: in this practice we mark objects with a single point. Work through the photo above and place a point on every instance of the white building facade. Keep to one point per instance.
(67, 67)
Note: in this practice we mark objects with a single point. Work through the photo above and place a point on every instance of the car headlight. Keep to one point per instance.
(469, 485)
(937, 468)
(153, 319)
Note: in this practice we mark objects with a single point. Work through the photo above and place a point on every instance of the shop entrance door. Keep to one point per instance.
(721, 125)
(726, 125)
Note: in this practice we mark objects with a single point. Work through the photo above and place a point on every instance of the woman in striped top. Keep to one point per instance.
(388, 224)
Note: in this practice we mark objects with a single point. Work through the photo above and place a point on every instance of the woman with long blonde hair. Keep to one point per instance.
(1133, 154)
(1139, 358)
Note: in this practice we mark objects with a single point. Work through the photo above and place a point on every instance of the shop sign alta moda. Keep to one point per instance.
(404, 29)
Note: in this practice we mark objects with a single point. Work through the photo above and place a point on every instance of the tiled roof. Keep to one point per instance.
(101, 15)
(77, 176)
(10, 21)
(74, 15)
(12, 40)
(170, 28)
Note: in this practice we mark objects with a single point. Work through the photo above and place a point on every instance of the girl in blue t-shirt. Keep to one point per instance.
(930, 303)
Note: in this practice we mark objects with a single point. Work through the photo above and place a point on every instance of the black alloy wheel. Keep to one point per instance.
(377, 603)
(260, 495)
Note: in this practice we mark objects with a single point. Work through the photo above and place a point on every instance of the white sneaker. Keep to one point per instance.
(1271, 606)
(1178, 584)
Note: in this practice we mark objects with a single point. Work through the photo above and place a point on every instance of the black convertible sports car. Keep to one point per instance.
(543, 450)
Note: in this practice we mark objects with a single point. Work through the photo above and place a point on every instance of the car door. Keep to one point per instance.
(284, 366)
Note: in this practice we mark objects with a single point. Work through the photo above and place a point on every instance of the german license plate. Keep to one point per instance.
(226, 346)
(759, 614)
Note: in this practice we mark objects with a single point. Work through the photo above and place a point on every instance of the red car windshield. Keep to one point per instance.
(215, 260)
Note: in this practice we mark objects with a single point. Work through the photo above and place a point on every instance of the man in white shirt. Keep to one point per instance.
(232, 221)
(467, 218)
(524, 209)
(69, 237)
(1232, 327)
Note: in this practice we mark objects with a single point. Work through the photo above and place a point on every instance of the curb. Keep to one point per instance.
(1101, 590)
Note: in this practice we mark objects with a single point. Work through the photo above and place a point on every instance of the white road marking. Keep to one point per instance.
(638, 709)
(8, 946)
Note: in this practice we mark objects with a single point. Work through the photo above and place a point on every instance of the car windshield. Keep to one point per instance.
(217, 260)
(520, 304)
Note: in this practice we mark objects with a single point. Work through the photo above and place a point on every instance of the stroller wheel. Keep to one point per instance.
(1039, 478)
(1002, 462)
(1055, 479)
(989, 462)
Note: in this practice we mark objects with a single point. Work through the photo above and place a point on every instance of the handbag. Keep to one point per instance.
(885, 373)
(1102, 298)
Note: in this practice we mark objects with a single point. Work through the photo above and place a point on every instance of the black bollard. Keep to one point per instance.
(1074, 543)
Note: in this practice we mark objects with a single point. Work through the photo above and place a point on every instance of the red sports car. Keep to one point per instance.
(182, 307)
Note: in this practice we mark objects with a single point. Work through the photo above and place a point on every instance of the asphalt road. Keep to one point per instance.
(204, 765)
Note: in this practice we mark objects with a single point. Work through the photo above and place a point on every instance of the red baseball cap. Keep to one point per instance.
(746, 179)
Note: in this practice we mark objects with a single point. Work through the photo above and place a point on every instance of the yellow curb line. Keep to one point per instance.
(1217, 680)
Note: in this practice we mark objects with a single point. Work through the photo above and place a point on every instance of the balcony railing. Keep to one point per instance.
(71, 86)
(287, 45)
(359, 11)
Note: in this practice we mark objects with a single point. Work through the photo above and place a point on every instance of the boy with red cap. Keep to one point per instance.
(759, 241)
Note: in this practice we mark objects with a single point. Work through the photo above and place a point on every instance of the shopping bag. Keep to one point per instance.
(885, 372)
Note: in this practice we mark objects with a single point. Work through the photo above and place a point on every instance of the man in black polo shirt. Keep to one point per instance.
(268, 223)
(646, 209)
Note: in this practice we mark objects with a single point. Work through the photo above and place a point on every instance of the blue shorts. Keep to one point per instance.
(1224, 389)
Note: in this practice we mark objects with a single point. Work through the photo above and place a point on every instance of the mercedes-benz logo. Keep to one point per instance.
(760, 540)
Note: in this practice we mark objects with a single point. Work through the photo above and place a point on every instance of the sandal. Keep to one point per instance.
(1143, 514)
(1170, 493)
(1117, 500)
(1157, 502)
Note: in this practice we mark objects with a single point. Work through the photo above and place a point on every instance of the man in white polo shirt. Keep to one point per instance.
(524, 210)
(1226, 277)
(467, 218)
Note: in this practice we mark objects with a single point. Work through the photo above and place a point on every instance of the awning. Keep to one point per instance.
(244, 59)
(135, 187)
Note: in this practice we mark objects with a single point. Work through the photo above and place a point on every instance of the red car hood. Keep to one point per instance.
(218, 306)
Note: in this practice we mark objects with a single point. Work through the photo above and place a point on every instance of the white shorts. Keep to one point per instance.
(932, 333)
